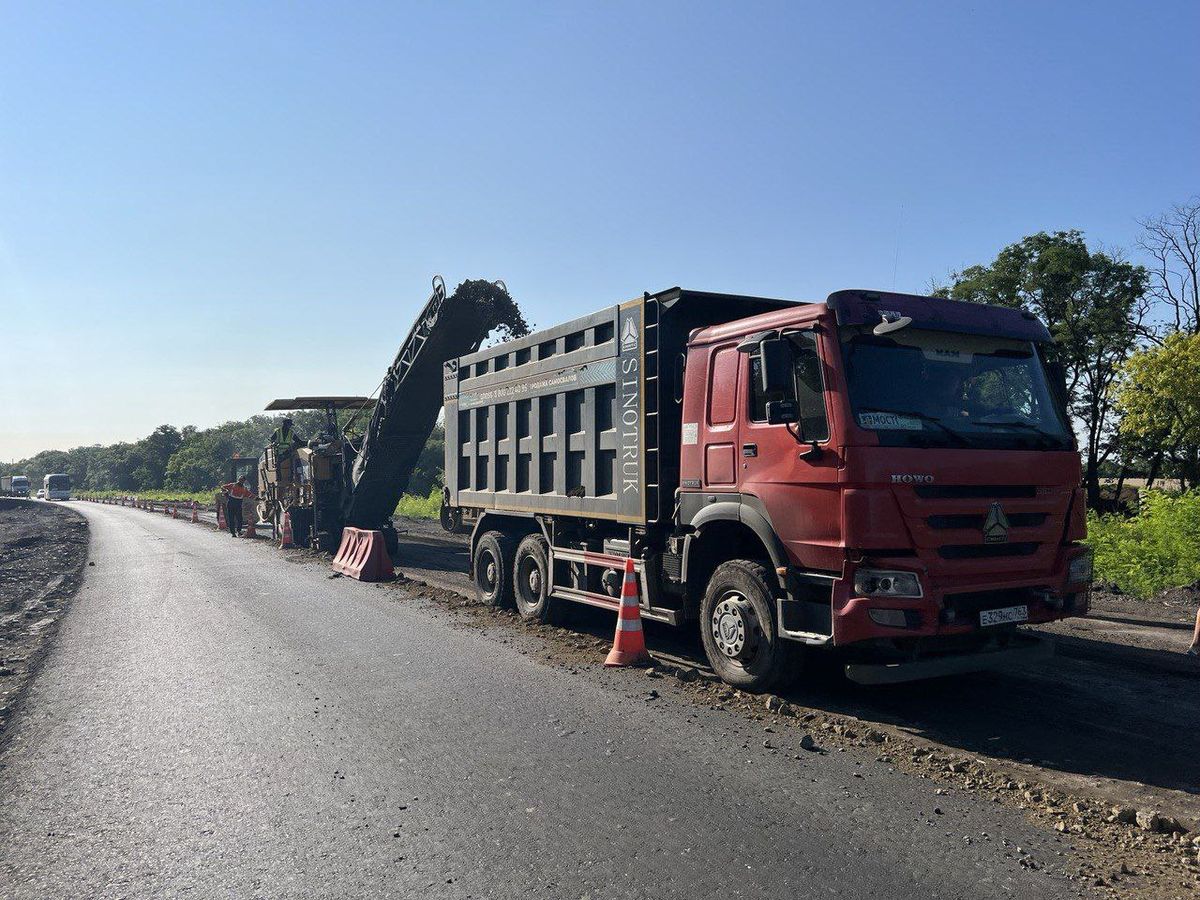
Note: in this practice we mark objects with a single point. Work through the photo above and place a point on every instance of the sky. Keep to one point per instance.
(204, 206)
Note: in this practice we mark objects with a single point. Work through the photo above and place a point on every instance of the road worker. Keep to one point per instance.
(284, 438)
(235, 492)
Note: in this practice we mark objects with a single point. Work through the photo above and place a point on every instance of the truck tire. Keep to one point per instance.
(738, 628)
(531, 581)
(450, 519)
(491, 569)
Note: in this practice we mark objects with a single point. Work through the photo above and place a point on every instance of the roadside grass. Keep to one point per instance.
(198, 496)
(415, 506)
(412, 505)
(1153, 551)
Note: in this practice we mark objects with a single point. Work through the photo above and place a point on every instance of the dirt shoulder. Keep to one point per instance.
(43, 551)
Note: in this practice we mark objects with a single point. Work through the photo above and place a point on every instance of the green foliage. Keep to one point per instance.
(1092, 302)
(427, 473)
(1159, 398)
(414, 506)
(1153, 551)
(202, 497)
(181, 464)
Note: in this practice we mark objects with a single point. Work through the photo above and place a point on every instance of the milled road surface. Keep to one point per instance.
(215, 720)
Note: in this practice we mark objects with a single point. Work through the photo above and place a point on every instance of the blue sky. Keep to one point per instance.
(204, 206)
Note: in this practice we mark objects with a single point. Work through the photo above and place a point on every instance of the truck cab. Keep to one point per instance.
(909, 468)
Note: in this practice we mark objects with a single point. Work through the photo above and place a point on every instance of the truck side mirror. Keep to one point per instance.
(783, 412)
(776, 366)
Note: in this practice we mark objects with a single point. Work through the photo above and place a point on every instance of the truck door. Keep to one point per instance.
(720, 460)
(792, 470)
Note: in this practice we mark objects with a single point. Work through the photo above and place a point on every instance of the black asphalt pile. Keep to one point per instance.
(494, 306)
(43, 548)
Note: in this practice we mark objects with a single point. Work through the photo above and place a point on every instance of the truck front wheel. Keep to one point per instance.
(737, 626)
(492, 569)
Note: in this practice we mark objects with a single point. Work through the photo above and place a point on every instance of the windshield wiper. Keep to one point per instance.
(1017, 423)
(924, 417)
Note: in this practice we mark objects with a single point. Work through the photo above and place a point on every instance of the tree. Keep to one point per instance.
(1172, 240)
(1092, 302)
(1159, 399)
(154, 452)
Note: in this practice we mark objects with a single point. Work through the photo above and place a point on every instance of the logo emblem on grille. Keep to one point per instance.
(995, 526)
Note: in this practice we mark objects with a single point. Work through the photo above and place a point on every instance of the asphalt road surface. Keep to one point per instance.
(215, 720)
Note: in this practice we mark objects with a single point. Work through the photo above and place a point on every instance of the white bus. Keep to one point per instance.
(57, 487)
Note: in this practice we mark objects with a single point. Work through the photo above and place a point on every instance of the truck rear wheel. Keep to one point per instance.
(492, 569)
(531, 581)
(737, 626)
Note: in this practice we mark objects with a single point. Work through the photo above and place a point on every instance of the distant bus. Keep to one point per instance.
(57, 487)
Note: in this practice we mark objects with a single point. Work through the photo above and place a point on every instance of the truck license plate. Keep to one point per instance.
(1003, 616)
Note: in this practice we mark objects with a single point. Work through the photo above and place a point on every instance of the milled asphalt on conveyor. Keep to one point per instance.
(217, 721)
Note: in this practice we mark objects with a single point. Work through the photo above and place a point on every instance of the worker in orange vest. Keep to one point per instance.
(235, 492)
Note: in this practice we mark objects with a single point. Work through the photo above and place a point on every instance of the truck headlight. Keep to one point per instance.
(1079, 570)
(886, 583)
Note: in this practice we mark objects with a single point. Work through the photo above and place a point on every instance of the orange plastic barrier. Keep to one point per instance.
(629, 643)
(362, 555)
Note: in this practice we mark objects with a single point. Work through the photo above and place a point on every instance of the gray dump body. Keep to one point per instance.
(581, 419)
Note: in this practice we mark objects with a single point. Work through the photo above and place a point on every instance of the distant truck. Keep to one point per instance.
(14, 486)
(890, 474)
(57, 486)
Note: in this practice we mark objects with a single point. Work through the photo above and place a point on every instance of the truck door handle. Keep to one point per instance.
(749, 449)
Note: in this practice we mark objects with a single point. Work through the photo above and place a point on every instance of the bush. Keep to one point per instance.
(1155, 550)
(418, 507)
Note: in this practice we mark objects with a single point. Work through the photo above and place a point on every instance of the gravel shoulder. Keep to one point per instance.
(43, 548)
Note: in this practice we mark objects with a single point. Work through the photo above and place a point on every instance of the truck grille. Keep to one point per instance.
(1015, 520)
(987, 551)
(974, 491)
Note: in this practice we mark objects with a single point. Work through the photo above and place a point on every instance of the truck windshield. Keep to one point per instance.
(922, 388)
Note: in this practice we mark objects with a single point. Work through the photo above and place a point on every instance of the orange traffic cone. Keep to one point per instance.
(221, 523)
(285, 540)
(249, 530)
(629, 643)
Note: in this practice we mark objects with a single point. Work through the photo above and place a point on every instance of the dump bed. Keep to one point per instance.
(582, 418)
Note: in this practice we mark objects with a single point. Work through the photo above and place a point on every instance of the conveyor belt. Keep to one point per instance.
(411, 394)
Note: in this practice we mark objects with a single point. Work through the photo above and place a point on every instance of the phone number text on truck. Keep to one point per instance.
(891, 475)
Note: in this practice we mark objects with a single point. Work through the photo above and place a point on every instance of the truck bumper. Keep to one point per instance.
(1025, 651)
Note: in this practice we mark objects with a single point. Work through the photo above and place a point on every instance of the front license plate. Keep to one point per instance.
(1004, 616)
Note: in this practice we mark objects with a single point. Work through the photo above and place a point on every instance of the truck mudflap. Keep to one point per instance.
(1024, 651)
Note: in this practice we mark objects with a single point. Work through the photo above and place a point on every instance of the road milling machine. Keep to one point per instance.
(341, 478)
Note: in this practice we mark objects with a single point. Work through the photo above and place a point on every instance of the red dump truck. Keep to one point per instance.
(889, 474)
